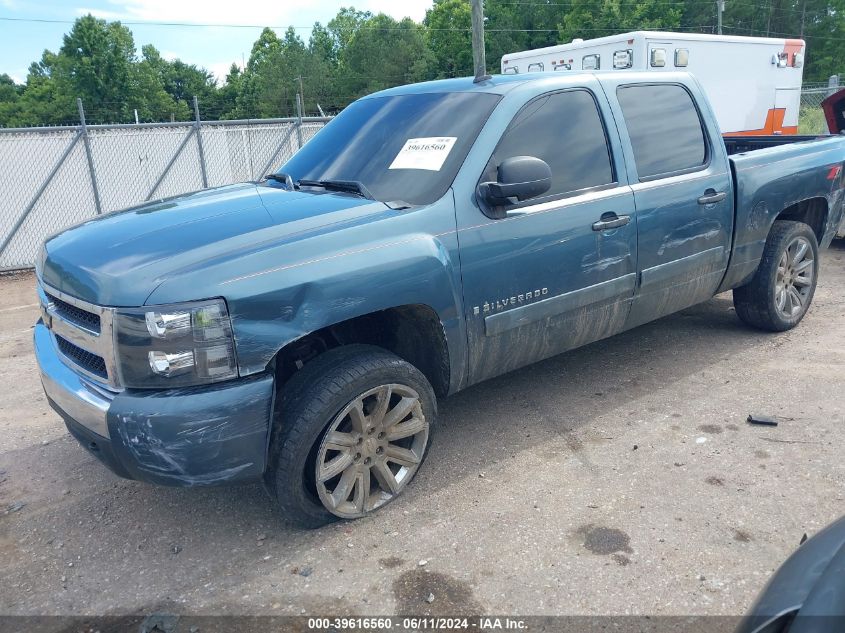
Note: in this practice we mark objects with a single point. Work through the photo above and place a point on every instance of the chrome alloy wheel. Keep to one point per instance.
(794, 281)
(371, 450)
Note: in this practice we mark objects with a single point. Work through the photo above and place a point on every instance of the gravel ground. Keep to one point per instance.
(621, 478)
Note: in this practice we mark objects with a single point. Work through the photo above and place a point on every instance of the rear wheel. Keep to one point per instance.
(779, 295)
(353, 428)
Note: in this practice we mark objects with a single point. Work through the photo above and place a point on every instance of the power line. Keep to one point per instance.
(404, 28)
(260, 26)
(362, 28)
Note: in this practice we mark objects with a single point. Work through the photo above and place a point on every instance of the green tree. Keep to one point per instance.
(321, 71)
(517, 27)
(448, 36)
(823, 26)
(9, 99)
(96, 62)
(153, 102)
(252, 98)
(182, 82)
(384, 53)
(345, 25)
(322, 44)
(47, 98)
(9, 90)
(339, 31)
(598, 18)
(227, 94)
(277, 70)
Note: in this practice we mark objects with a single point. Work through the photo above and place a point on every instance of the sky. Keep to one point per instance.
(214, 47)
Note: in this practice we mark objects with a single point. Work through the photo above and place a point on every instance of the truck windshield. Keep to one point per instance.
(404, 148)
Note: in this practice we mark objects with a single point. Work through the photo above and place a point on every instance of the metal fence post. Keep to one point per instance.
(832, 85)
(276, 152)
(84, 131)
(299, 120)
(198, 125)
(191, 131)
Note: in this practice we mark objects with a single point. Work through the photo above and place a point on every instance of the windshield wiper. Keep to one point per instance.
(347, 186)
(283, 178)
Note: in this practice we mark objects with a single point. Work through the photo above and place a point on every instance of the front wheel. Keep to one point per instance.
(353, 428)
(779, 295)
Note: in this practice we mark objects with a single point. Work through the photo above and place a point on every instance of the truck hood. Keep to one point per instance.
(120, 258)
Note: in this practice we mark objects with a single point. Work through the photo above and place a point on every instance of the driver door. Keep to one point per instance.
(557, 271)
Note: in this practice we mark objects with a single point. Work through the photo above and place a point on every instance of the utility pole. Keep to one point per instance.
(720, 8)
(478, 58)
(301, 96)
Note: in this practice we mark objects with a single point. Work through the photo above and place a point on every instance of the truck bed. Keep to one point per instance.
(773, 173)
(742, 144)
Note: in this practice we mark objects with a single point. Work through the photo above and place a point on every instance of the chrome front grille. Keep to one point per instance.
(69, 312)
(83, 334)
(86, 360)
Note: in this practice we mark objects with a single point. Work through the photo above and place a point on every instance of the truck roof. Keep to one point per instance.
(497, 84)
(502, 84)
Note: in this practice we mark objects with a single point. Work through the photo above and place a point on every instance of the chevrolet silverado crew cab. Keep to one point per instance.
(299, 330)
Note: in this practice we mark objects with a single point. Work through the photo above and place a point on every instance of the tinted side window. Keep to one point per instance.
(664, 127)
(565, 130)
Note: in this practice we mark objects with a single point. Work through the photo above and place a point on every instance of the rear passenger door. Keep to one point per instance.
(682, 191)
(557, 271)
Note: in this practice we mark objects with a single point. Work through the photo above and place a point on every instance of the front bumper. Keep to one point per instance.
(196, 436)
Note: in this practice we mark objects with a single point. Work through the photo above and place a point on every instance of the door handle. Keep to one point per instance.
(611, 221)
(711, 196)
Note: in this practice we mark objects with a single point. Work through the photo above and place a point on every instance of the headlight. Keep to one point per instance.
(178, 345)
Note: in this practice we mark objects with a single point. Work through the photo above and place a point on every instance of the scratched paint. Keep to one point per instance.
(542, 339)
(700, 233)
(197, 436)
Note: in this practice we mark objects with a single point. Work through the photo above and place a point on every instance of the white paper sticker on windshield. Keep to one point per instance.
(424, 153)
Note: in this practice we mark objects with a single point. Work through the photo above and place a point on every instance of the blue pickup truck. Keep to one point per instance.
(299, 330)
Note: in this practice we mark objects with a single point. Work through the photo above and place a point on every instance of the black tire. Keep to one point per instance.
(757, 302)
(309, 403)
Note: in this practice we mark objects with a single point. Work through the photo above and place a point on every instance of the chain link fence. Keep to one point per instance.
(52, 178)
(811, 117)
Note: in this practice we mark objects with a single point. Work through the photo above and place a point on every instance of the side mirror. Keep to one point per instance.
(520, 177)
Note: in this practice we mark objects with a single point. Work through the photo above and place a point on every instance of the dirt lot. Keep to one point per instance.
(620, 478)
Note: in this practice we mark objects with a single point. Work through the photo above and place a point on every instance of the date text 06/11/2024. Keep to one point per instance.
(417, 623)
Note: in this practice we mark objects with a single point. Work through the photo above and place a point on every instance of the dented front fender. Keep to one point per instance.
(330, 274)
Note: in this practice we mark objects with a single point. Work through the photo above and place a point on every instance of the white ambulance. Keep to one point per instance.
(754, 83)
